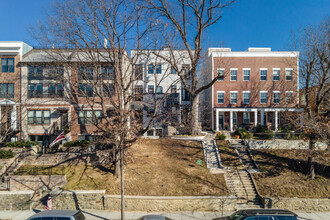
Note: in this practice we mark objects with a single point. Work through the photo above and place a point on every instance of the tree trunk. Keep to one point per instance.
(117, 162)
(122, 201)
(194, 123)
(310, 164)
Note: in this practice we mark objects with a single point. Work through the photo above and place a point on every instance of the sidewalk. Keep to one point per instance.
(99, 214)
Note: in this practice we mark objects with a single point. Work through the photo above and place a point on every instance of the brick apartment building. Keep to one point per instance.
(11, 53)
(258, 85)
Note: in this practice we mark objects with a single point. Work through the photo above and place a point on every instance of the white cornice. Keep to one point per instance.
(256, 54)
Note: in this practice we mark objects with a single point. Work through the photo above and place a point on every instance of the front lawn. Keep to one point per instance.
(284, 173)
(163, 167)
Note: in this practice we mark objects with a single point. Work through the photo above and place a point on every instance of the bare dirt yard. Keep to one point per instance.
(163, 167)
(228, 154)
(284, 173)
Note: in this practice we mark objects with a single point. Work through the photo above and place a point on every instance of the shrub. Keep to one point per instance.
(263, 132)
(220, 136)
(242, 133)
(21, 144)
(82, 143)
(261, 128)
(5, 154)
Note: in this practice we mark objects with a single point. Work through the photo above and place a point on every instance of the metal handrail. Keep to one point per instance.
(247, 196)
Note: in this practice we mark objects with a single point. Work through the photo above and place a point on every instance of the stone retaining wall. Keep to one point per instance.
(298, 204)
(18, 200)
(283, 144)
(171, 203)
(36, 182)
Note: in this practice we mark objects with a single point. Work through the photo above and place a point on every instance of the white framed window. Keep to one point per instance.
(289, 97)
(263, 97)
(233, 74)
(221, 97)
(263, 74)
(235, 118)
(233, 97)
(276, 97)
(288, 74)
(221, 72)
(246, 97)
(246, 117)
(246, 74)
(276, 74)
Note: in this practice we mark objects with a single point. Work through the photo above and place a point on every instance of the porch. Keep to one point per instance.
(232, 118)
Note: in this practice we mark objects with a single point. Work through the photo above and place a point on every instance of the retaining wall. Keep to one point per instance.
(283, 144)
(17, 200)
(36, 182)
(298, 204)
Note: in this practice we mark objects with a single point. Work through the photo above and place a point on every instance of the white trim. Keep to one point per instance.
(263, 68)
(298, 79)
(246, 91)
(263, 91)
(256, 109)
(277, 69)
(233, 91)
(256, 54)
(218, 97)
(276, 92)
(233, 68)
(289, 69)
(288, 91)
(212, 110)
(249, 74)
(246, 68)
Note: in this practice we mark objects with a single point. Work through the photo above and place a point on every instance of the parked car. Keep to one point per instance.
(58, 215)
(261, 214)
(154, 217)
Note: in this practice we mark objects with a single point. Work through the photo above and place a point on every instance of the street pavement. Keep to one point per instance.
(99, 214)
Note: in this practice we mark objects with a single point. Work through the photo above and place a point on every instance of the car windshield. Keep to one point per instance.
(237, 215)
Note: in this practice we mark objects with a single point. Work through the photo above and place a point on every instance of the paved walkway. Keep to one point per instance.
(97, 214)
(211, 154)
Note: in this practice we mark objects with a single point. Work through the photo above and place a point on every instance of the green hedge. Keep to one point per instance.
(220, 136)
(82, 143)
(262, 132)
(5, 154)
(21, 144)
(243, 133)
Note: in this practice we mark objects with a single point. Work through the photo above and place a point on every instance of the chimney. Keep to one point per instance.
(105, 43)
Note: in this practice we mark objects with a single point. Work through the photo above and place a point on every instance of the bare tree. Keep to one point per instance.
(183, 24)
(314, 45)
(90, 38)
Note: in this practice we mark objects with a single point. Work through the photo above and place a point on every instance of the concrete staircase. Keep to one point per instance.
(240, 184)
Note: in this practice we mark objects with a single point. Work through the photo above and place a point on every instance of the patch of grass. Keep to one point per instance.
(40, 170)
(163, 167)
(284, 173)
(228, 154)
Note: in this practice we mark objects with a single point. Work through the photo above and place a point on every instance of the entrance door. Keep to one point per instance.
(221, 121)
(6, 118)
(64, 120)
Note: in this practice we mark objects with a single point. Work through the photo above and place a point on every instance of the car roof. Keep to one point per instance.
(267, 212)
(154, 217)
(62, 213)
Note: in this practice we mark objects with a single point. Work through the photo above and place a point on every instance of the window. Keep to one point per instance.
(186, 70)
(85, 73)
(246, 117)
(158, 68)
(246, 74)
(138, 93)
(173, 71)
(35, 72)
(7, 90)
(233, 97)
(233, 75)
(138, 71)
(221, 72)
(85, 90)
(289, 97)
(159, 90)
(39, 117)
(263, 97)
(185, 95)
(263, 74)
(8, 65)
(235, 118)
(151, 89)
(55, 72)
(276, 74)
(173, 89)
(35, 90)
(55, 90)
(40, 139)
(276, 97)
(288, 74)
(150, 69)
(246, 98)
(150, 132)
(108, 73)
(221, 97)
(89, 117)
(108, 89)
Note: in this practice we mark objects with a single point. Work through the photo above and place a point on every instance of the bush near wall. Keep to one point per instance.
(21, 144)
(262, 132)
(6, 154)
(220, 136)
(82, 143)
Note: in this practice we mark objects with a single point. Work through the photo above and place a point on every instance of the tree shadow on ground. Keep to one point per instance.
(274, 165)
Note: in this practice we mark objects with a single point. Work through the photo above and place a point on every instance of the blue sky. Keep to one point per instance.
(247, 23)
